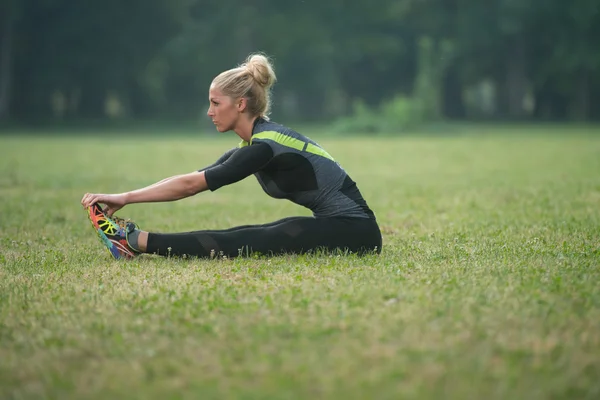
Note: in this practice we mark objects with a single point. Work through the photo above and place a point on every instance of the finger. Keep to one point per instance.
(84, 199)
(91, 200)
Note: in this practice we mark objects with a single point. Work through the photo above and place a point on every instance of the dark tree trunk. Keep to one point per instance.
(6, 42)
(452, 96)
(580, 105)
(550, 104)
(594, 100)
(92, 101)
(516, 80)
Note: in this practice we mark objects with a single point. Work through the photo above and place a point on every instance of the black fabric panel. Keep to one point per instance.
(296, 235)
(350, 190)
(291, 173)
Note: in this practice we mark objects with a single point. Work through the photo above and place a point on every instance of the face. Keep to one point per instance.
(223, 111)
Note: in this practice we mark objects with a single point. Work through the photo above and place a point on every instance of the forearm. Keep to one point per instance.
(170, 189)
(163, 181)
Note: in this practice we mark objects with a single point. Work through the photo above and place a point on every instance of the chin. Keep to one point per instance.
(222, 130)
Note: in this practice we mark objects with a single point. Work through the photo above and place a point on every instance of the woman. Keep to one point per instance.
(287, 165)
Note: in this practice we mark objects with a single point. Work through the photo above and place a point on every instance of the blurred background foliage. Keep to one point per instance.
(381, 65)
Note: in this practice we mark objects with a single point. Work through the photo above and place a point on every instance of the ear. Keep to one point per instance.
(241, 104)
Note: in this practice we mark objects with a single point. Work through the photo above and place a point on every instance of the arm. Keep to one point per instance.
(221, 159)
(173, 188)
(241, 164)
(170, 189)
(233, 166)
(190, 180)
(164, 180)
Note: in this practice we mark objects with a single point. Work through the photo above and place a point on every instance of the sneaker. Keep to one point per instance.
(113, 234)
(124, 222)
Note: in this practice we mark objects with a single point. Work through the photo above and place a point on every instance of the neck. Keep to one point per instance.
(244, 128)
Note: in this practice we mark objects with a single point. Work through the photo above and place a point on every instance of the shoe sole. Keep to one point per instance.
(112, 246)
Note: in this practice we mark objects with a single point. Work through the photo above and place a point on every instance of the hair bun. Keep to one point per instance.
(261, 70)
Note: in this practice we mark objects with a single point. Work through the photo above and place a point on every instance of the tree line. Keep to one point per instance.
(502, 59)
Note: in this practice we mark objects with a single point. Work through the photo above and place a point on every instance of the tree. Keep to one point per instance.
(568, 62)
(157, 58)
(9, 13)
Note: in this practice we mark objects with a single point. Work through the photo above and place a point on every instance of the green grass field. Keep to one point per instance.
(488, 286)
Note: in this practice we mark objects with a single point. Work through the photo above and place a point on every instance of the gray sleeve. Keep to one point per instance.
(245, 162)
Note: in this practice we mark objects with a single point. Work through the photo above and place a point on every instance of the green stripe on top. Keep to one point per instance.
(280, 138)
(289, 141)
(311, 148)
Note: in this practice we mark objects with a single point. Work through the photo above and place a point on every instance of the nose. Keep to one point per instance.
(209, 112)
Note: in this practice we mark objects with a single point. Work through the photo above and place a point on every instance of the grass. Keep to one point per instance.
(487, 286)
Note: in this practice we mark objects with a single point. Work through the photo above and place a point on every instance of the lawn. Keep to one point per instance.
(488, 285)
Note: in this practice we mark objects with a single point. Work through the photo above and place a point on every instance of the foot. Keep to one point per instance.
(124, 222)
(112, 232)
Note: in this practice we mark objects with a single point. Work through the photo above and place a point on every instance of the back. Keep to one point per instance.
(304, 173)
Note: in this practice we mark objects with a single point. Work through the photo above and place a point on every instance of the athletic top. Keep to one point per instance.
(290, 166)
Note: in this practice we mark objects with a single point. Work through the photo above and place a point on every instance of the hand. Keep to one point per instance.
(113, 202)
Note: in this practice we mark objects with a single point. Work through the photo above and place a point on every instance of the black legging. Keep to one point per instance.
(294, 235)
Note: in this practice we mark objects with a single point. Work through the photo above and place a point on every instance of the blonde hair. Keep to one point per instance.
(252, 80)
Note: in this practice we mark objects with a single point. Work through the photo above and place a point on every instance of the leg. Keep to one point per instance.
(291, 235)
(143, 236)
(237, 228)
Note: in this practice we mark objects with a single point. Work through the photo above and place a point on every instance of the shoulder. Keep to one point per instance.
(273, 130)
(269, 126)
